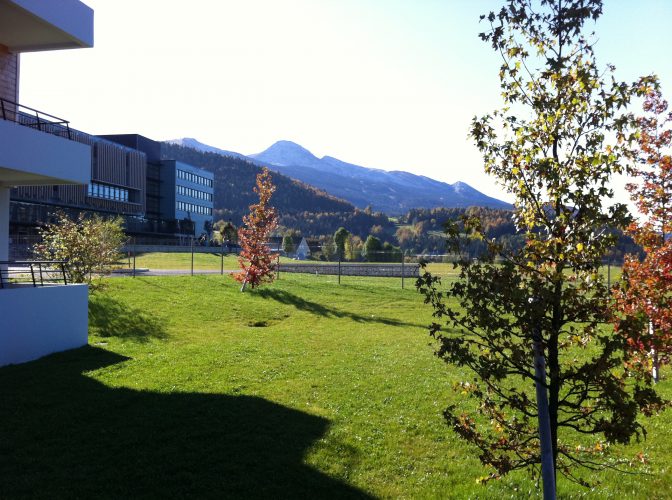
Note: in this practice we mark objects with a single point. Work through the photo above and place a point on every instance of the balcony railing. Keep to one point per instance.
(29, 117)
(32, 272)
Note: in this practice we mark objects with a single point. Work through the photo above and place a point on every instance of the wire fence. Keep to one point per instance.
(380, 267)
(191, 256)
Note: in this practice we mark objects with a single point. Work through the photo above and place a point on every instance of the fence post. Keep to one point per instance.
(221, 265)
(609, 274)
(192, 255)
(277, 268)
(339, 268)
(133, 246)
(402, 270)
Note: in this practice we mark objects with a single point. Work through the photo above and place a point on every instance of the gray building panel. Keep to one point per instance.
(192, 194)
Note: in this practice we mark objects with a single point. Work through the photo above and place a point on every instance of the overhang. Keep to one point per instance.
(38, 25)
(29, 157)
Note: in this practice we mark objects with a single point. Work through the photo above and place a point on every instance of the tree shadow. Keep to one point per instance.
(109, 317)
(289, 298)
(65, 435)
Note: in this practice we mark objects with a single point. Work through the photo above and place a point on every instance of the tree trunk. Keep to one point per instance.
(547, 462)
(655, 363)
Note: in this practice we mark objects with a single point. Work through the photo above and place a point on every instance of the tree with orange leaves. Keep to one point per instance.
(256, 259)
(644, 295)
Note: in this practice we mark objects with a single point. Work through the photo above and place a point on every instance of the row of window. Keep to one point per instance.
(96, 190)
(196, 179)
(194, 209)
(194, 193)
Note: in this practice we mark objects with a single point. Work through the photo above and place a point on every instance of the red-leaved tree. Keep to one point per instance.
(644, 295)
(256, 259)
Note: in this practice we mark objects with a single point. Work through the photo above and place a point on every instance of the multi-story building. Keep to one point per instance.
(117, 186)
(192, 198)
(156, 199)
(175, 190)
(38, 149)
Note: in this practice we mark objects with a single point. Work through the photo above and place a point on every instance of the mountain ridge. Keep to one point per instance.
(393, 192)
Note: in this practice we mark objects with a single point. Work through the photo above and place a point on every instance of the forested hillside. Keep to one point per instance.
(300, 207)
(311, 212)
(234, 181)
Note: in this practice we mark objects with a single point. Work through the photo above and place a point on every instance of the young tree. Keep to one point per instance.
(353, 248)
(329, 249)
(90, 244)
(256, 259)
(645, 293)
(372, 248)
(287, 245)
(340, 238)
(531, 328)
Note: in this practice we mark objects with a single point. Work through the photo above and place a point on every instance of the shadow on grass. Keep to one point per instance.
(65, 435)
(289, 298)
(109, 317)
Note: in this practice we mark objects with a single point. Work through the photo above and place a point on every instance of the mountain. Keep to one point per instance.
(235, 180)
(392, 192)
(287, 153)
(190, 142)
(300, 206)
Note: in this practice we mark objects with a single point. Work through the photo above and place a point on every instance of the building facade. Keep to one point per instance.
(175, 191)
(37, 149)
(116, 187)
(192, 197)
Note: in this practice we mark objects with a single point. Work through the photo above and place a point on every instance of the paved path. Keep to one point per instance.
(169, 272)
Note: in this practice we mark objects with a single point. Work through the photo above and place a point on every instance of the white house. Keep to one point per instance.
(35, 149)
(302, 251)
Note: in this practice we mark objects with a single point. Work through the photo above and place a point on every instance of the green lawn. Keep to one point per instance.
(170, 260)
(213, 262)
(302, 389)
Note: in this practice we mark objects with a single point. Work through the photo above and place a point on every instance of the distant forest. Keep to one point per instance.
(307, 211)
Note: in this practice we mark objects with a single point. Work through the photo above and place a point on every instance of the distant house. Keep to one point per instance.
(302, 251)
(306, 249)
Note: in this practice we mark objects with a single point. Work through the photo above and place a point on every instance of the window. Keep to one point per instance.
(97, 190)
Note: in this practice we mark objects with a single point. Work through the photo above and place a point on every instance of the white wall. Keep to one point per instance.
(37, 321)
(31, 157)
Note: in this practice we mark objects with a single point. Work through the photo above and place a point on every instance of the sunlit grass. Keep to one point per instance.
(302, 388)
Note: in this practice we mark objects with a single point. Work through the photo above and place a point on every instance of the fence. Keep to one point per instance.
(32, 272)
(193, 258)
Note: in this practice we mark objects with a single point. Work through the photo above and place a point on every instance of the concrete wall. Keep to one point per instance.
(43, 320)
(31, 157)
(35, 25)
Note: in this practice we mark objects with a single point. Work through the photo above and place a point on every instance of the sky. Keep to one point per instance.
(389, 84)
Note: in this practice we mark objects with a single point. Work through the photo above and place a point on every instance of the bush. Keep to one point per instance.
(90, 245)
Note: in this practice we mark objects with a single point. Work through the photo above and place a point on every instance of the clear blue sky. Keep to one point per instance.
(391, 84)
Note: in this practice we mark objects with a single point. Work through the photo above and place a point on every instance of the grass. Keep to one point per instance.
(207, 261)
(299, 389)
(170, 260)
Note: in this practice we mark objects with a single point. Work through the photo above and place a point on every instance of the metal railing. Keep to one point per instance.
(35, 272)
(29, 117)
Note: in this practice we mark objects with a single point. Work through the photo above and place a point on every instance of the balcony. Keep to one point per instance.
(37, 25)
(35, 149)
(42, 314)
